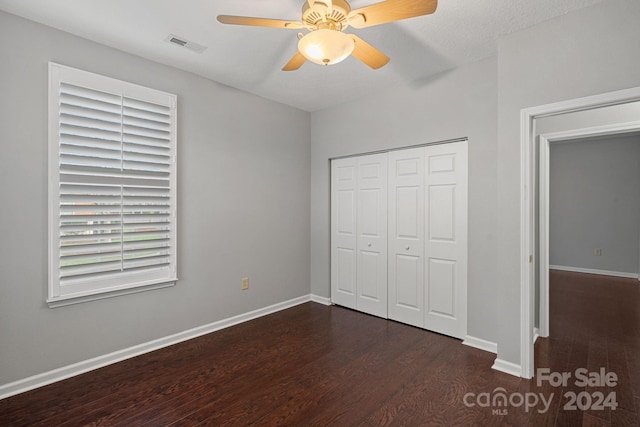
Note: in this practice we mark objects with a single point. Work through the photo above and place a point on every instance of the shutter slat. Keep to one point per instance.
(84, 92)
(146, 106)
(89, 189)
(130, 235)
(73, 173)
(87, 259)
(66, 229)
(135, 212)
(77, 270)
(87, 250)
(162, 159)
(140, 191)
(146, 124)
(147, 229)
(146, 262)
(82, 141)
(139, 166)
(132, 254)
(70, 129)
(89, 112)
(98, 238)
(80, 220)
(90, 123)
(83, 200)
(145, 140)
(90, 209)
(146, 115)
(147, 244)
(146, 149)
(102, 163)
(156, 135)
(159, 219)
(69, 100)
(141, 199)
(88, 151)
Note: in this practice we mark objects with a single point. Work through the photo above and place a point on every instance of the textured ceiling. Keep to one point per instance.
(249, 58)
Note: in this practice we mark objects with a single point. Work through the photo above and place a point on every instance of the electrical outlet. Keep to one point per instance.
(598, 252)
(245, 283)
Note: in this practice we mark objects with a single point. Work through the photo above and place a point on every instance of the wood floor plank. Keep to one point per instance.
(200, 372)
(318, 365)
(619, 366)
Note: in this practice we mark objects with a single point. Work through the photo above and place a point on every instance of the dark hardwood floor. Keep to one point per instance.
(313, 365)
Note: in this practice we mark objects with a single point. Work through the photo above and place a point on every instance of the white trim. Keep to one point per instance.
(320, 300)
(507, 367)
(527, 299)
(62, 302)
(543, 232)
(594, 271)
(30, 383)
(536, 335)
(481, 344)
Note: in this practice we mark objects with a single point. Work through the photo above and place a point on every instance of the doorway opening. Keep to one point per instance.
(530, 266)
(589, 181)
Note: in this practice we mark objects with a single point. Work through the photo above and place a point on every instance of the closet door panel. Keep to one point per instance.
(406, 236)
(372, 234)
(343, 232)
(446, 239)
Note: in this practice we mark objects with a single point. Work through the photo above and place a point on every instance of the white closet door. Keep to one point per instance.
(406, 236)
(343, 231)
(372, 234)
(445, 263)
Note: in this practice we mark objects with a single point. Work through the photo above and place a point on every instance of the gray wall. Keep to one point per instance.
(595, 203)
(586, 52)
(458, 103)
(243, 186)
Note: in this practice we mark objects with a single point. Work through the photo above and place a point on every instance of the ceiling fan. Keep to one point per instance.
(326, 43)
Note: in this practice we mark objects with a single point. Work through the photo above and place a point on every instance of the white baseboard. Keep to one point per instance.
(485, 345)
(30, 383)
(507, 367)
(320, 300)
(594, 271)
(536, 334)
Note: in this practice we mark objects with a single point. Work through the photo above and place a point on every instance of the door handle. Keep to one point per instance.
(407, 248)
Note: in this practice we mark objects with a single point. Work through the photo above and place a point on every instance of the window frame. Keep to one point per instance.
(123, 281)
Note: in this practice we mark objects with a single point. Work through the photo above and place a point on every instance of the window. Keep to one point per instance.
(112, 194)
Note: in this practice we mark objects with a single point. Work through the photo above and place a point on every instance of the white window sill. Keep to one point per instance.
(70, 299)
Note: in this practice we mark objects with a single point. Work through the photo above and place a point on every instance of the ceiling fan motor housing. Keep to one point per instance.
(320, 13)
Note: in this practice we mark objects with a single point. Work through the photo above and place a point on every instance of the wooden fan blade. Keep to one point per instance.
(295, 62)
(260, 22)
(368, 54)
(389, 11)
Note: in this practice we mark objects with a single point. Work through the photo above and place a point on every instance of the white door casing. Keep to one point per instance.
(371, 227)
(527, 225)
(406, 236)
(445, 271)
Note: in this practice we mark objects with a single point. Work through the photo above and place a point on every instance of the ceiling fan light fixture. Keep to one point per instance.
(326, 47)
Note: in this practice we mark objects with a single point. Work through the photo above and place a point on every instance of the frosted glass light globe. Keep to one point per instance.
(326, 47)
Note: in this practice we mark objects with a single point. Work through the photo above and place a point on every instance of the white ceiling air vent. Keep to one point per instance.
(187, 44)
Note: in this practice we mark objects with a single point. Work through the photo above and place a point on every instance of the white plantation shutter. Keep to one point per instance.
(112, 185)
